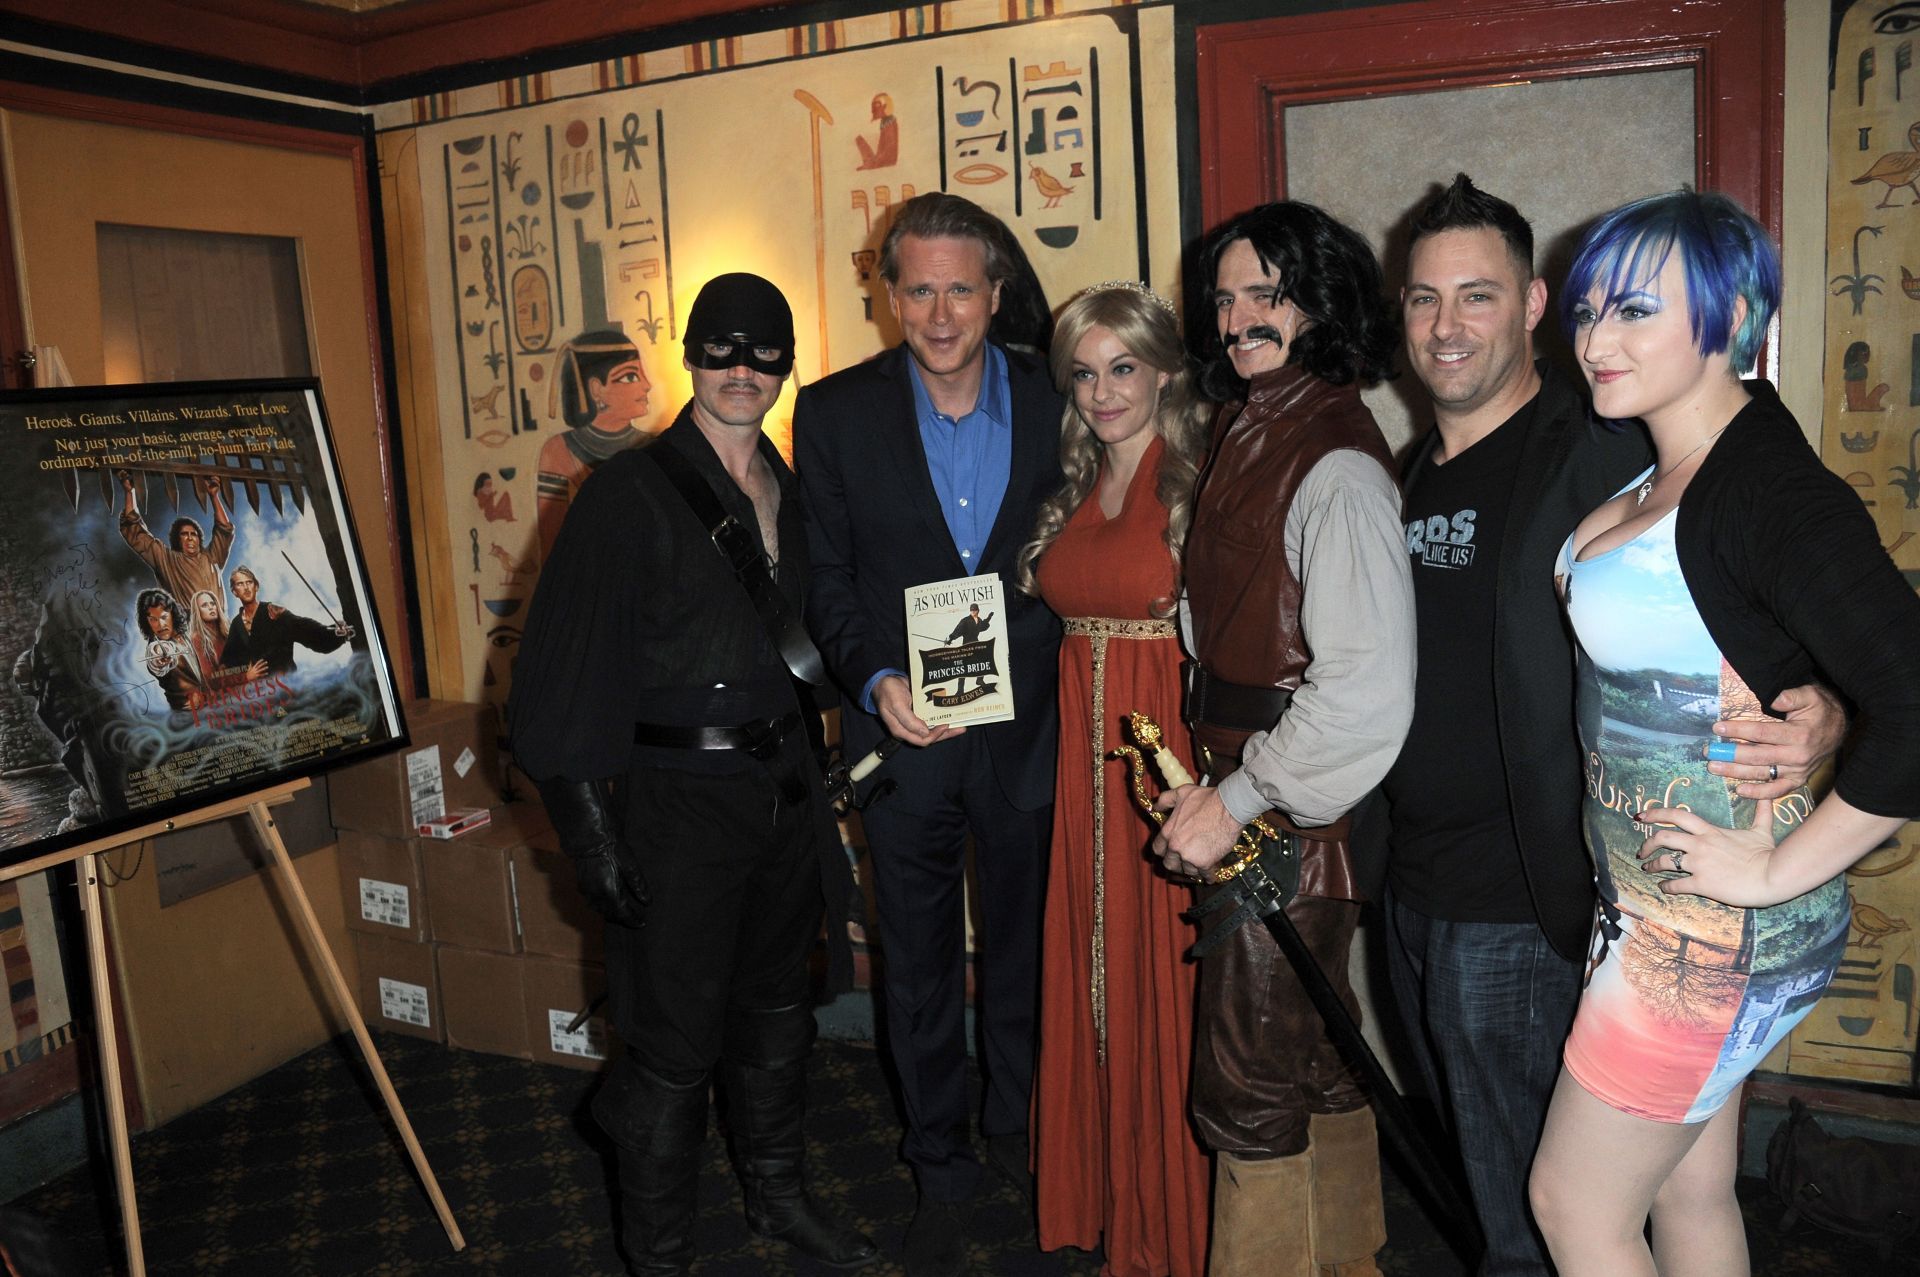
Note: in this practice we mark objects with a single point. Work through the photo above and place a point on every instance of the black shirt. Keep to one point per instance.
(1454, 854)
(638, 619)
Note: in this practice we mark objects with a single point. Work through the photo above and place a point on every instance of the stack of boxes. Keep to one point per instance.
(480, 941)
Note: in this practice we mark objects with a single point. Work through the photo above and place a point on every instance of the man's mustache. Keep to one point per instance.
(1256, 332)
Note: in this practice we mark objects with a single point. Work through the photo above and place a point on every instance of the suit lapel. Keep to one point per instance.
(1549, 435)
(1035, 441)
(900, 436)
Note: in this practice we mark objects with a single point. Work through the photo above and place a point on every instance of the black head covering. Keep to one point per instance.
(735, 317)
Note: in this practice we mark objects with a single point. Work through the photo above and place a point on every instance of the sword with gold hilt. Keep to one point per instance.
(1261, 876)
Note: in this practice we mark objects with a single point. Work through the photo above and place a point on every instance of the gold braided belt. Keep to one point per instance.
(1099, 630)
(1106, 627)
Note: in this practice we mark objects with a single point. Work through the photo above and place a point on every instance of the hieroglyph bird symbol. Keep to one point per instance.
(1873, 925)
(1050, 186)
(1897, 169)
(1856, 286)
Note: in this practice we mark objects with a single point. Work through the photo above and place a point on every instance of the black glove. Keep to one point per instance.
(606, 868)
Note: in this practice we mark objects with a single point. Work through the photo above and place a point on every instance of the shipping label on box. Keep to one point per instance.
(588, 1042)
(464, 764)
(404, 1003)
(426, 787)
(387, 903)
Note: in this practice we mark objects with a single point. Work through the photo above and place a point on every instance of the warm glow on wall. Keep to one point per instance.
(745, 251)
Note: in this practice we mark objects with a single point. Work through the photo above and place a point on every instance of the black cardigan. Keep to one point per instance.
(1788, 572)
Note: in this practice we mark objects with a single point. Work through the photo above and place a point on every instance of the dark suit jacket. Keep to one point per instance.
(874, 528)
(1568, 465)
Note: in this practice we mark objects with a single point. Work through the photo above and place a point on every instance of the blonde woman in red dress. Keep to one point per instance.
(1114, 1153)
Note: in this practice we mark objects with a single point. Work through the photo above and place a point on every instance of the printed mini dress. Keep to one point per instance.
(1684, 995)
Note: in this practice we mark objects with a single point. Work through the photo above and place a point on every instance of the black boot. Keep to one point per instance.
(764, 1075)
(659, 1128)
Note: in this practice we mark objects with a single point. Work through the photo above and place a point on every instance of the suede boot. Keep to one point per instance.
(1348, 1219)
(1261, 1224)
(658, 1128)
(764, 1078)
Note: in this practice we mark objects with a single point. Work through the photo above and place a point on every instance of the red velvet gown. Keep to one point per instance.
(1114, 1154)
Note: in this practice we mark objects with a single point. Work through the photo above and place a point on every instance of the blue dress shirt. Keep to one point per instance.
(970, 456)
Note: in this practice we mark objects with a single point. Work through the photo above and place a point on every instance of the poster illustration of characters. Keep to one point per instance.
(187, 611)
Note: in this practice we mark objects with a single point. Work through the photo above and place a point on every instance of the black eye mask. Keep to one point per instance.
(730, 350)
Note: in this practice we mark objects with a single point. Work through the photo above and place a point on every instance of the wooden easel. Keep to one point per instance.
(255, 806)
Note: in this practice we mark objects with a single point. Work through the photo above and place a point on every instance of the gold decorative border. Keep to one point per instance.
(1099, 630)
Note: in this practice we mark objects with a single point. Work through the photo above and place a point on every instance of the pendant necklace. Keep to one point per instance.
(1646, 489)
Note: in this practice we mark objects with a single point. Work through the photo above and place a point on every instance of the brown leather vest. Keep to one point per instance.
(1243, 598)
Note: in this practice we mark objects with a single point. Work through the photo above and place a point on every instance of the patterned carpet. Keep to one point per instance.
(296, 1174)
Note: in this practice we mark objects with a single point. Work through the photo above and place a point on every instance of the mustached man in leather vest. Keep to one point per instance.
(1299, 617)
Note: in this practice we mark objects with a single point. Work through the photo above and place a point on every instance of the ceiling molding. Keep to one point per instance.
(351, 51)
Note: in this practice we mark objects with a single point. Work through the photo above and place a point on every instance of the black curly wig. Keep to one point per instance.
(1331, 274)
(150, 599)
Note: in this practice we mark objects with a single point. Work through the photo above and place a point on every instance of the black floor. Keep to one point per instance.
(297, 1173)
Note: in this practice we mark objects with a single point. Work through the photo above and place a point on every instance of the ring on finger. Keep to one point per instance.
(1773, 771)
(1677, 855)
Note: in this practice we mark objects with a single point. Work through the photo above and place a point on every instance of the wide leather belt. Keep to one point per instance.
(760, 737)
(1213, 701)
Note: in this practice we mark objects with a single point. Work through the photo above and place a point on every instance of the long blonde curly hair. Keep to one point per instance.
(1145, 324)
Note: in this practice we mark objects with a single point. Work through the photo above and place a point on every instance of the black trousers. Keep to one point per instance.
(918, 844)
(735, 879)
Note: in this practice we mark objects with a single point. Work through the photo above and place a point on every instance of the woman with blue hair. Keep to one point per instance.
(1735, 567)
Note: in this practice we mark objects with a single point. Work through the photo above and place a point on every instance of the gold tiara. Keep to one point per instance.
(1132, 286)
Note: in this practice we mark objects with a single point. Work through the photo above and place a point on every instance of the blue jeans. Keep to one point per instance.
(1487, 1007)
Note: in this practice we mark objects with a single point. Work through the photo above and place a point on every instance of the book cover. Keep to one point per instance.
(959, 664)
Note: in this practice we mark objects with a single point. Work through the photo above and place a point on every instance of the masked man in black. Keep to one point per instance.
(653, 707)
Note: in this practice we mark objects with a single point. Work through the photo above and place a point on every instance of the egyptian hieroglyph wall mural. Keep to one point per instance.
(1867, 1026)
(560, 242)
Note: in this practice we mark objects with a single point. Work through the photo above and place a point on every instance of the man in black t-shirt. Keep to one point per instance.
(1489, 900)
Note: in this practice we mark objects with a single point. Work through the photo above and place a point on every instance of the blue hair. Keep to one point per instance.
(1724, 254)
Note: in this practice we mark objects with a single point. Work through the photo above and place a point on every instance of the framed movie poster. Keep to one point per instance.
(184, 613)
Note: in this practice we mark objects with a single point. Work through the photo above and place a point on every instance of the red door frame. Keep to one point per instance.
(1249, 73)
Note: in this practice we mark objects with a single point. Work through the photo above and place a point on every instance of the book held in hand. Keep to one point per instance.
(955, 632)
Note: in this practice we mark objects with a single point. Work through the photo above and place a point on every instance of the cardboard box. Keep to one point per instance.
(399, 987)
(452, 762)
(555, 920)
(469, 894)
(555, 992)
(482, 999)
(382, 884)
(514, 825)
(470, 884)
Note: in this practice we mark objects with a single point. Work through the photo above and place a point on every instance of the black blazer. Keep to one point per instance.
(1569, 464)
(874, 528)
